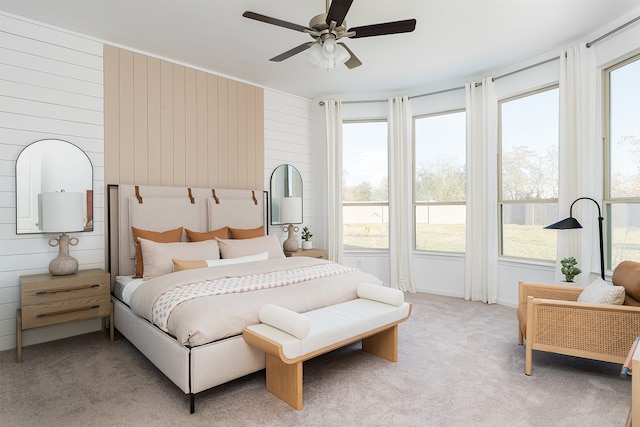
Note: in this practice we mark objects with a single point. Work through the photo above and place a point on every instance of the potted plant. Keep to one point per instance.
(569, 268)
(306, 238)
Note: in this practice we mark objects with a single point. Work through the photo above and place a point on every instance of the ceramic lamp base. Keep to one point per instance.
(63, 264)
(291, 244)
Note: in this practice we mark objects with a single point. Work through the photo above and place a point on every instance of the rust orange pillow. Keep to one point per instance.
(168, 236)
(246, 233)
(199, 236)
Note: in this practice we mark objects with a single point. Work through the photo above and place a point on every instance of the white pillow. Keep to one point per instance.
(286, 320)
(158, 257)
(601, 292)
(235, 248)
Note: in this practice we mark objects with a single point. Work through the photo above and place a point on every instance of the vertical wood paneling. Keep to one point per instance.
(212, 106)
(241, 128)
(232, 126)
(178, 126)
(154, 153)
(190, 131)
(126, 165)
(201, 128)
(223, 133)
(179, 109)
(165, 118)
(140, 102)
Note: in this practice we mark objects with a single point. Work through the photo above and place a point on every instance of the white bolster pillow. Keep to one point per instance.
(284, 319)
(380, 293)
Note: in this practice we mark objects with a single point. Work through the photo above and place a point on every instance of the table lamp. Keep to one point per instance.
(291, 212)
(62, 212)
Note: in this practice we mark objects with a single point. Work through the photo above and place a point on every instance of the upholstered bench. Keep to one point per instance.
(289, 338)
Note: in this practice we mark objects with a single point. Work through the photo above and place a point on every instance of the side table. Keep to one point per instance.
(47, 300)
(313, 253)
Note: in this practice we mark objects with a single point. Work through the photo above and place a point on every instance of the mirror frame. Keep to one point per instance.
(54, 168)
(285, 181)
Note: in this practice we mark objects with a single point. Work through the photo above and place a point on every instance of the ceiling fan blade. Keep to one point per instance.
(274, 21)
(395, 27)
(352, 62)
(337, 11)
(291, 52)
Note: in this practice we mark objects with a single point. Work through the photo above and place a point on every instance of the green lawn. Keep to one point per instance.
(524, 241)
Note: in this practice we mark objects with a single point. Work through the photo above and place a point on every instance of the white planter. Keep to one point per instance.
(307, 244)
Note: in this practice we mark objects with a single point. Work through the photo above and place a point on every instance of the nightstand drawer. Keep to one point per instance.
(34, 316)
(44, 288)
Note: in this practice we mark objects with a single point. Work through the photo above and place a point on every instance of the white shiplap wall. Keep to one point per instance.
(51, 86)
(288, 135)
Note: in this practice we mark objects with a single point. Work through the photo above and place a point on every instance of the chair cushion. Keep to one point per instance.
(522, 318)
(627, 274)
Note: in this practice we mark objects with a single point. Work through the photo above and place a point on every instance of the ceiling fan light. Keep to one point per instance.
(314, 54)
(330, 48)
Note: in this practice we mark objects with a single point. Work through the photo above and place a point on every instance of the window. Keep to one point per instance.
(440, 182)
(528, 180)
(622, 170)
(365, 176)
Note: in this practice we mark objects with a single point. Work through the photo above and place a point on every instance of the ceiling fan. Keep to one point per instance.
(325, 51)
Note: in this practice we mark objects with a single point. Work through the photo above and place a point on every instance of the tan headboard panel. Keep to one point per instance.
(160, 208)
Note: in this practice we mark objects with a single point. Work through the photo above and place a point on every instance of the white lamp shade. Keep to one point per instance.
(62, 212)
(291, 210)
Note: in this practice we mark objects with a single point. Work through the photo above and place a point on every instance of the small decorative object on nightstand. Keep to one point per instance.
(306, 238)
(51, 300)
(313, 253)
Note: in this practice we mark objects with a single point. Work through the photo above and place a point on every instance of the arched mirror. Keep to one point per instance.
(286, 195)
(49, 166)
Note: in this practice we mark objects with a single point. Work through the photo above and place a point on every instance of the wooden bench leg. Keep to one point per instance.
(383, 344)
(284, 380)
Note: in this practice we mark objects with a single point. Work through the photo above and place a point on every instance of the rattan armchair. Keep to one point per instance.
(550, 319)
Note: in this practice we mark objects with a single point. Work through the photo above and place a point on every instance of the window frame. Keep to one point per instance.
(608, 201)
(415, 204)
(373, 204)
(501, 201)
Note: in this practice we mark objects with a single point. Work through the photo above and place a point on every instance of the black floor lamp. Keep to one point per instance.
(571, 223)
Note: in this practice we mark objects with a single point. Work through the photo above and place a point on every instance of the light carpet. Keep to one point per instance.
(460, 365)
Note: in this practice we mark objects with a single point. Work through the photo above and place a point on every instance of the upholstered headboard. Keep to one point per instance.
(158, 208)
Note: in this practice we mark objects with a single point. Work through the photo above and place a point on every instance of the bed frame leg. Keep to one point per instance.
(192, 401)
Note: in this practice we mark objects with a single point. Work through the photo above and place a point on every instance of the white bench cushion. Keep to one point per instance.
(334, 324)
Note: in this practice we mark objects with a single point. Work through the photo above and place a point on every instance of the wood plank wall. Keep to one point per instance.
(167, 124)
(50, 87)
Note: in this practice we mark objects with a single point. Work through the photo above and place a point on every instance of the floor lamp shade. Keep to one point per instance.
(572, 223)
(62, 212)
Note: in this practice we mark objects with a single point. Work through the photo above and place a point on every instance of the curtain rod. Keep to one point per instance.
(615, 30)
(591, 43)
(321, 103)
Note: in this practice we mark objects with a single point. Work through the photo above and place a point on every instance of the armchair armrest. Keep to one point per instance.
(547, 291)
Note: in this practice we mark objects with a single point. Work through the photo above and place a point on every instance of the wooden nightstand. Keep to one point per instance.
(313, 253)
(51, 300)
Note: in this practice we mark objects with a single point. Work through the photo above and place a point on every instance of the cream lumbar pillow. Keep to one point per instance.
(234, 248)
(181, 264)
(601, 292)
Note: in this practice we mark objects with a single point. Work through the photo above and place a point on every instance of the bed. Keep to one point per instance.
(198, 344)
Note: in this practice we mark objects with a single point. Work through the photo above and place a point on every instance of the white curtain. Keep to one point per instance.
(333, 121)
(580, 155)
(481, 262)
(400, 193)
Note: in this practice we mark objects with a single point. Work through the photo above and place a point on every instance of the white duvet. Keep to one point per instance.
(209, 318)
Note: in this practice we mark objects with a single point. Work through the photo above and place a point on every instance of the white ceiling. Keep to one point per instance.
(454, 39)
